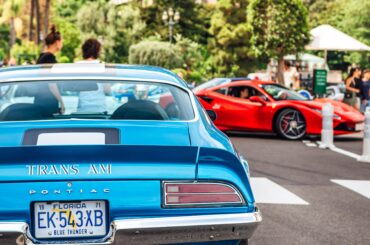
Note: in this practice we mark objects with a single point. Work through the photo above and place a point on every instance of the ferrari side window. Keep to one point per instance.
(222, 91)
(243, 92)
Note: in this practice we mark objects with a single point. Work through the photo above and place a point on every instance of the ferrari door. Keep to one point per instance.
(235, 112)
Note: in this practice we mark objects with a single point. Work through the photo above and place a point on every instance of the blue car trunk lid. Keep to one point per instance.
(138, 150)
(98, 162)
(129, 132)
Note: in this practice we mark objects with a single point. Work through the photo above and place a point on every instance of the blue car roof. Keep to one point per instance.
(114, 71)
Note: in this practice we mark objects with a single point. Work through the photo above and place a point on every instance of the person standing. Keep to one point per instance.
(350, 96)
(48, 95)
(291, 76)
(359, 86)
(365, 95)
(92, 101)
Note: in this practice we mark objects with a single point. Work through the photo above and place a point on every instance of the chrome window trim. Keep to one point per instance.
(107, 79)
(194, 205)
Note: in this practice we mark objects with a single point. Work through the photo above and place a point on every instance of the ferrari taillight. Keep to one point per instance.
(200, 193)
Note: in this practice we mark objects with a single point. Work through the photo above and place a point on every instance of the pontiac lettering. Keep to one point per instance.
(67, 169)
(69, 191)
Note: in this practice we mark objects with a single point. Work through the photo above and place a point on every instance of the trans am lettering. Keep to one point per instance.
(67, 169)
(100, 169)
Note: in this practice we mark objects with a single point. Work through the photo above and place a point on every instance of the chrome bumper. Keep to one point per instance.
(168, 230)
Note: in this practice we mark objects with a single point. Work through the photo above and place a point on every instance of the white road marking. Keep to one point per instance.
(309, 143)
(267, 191)
(332, 148)
(346, 153)
(362, 187)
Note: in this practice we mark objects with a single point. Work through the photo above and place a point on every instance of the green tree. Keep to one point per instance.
(356, 23)
(27, 51)
(324, 12)
(349, 16)
(278, 28)
(4, 45)
(71, 39)
(116, 26)
(155, 53)
(65, 18)
(229, 47)
(193, 22)
(190, 52)
(10, 11)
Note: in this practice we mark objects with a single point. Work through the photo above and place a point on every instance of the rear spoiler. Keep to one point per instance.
(98, 153)
(94, 162)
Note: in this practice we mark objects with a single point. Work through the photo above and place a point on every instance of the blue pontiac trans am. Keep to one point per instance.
(79, 166)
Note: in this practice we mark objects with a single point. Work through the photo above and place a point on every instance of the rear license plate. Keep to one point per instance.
(70, 219)
(359, 126)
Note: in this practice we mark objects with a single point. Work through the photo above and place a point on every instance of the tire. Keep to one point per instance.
(290, 124)
(243, 242)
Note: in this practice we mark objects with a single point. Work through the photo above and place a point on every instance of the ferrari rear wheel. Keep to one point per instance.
(290, 124)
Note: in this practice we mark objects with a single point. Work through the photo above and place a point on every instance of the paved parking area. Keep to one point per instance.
(308, 195)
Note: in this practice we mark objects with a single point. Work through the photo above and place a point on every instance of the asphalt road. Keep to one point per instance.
(333, 214)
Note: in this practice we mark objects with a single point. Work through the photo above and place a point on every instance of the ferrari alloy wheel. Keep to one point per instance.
(290, 124)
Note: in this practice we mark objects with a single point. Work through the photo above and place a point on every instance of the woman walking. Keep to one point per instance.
(48, 96)
(351, 90)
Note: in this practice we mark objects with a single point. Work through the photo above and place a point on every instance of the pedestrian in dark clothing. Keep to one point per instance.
(48, 95)
(365, 90)
(350, 97)
(359, 86)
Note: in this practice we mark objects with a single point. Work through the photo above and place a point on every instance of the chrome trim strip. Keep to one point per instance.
(111, 78)
(18, 227)
(186, 221)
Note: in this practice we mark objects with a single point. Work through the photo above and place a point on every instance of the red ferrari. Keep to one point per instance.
(258, 106)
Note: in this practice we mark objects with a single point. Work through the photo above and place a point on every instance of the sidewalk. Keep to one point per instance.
(359, 135)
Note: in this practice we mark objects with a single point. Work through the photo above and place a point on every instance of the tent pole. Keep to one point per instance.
(326, 56)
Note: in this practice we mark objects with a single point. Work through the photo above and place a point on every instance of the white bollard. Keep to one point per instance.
(327, 126)
(366, 146)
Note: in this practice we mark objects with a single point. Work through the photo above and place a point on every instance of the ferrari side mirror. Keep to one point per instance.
(212, 115)
(257, 99)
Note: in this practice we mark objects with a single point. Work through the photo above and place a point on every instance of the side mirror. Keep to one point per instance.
(257, 99)
(212, 115)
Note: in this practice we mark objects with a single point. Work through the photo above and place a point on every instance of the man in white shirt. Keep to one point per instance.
(291, 76)
(92, 101)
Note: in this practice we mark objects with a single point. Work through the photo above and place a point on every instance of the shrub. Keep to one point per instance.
(155, 53)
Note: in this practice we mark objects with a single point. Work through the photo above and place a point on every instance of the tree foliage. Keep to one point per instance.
(4, 44)
(116, 27)
(193, 22)
(230, 48)
(278, 28)
(25, 52)
(155, 53)
(349, 16)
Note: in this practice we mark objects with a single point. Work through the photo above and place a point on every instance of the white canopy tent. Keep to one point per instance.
(326, 37)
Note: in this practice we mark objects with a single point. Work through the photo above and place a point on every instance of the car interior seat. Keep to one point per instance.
(23, 112)
(140, 110)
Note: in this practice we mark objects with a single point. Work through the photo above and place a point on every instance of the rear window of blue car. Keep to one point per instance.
(90, 99)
